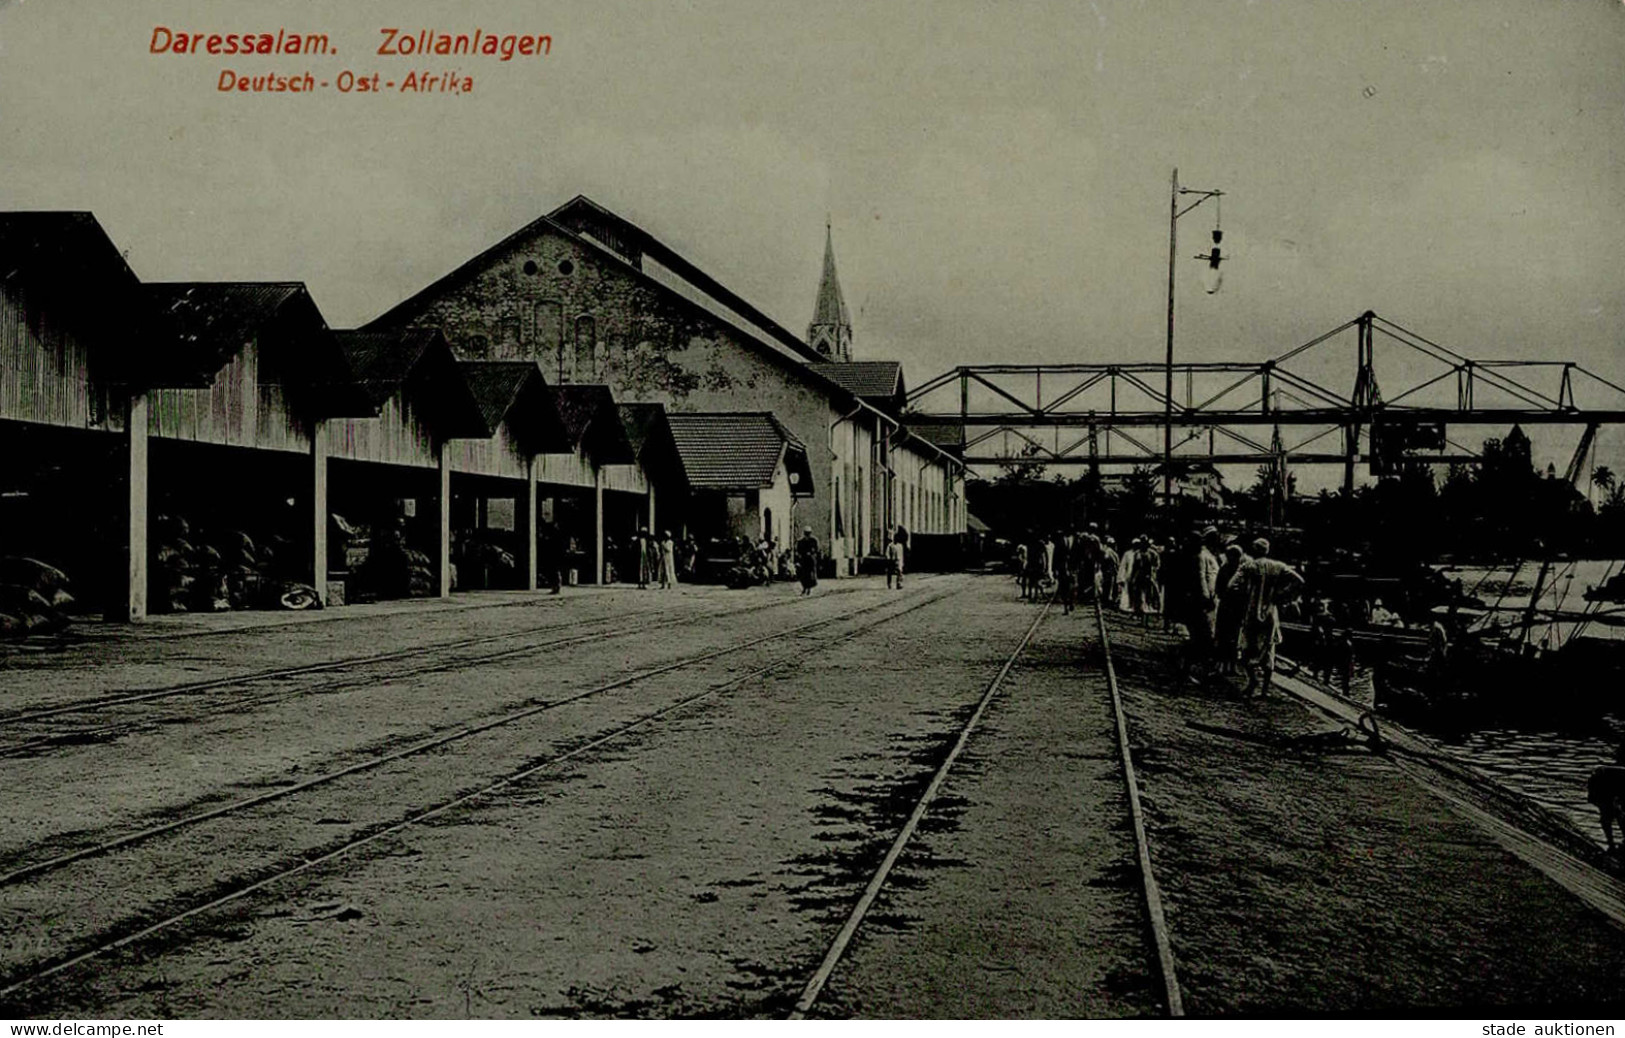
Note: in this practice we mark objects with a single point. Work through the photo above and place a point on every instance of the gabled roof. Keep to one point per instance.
(642, 423)
(582, 215)
(67, 259)
(189, 330)
(381, 362)
(495, 385)
(515, 391)
(878, 382)
(648, 430)
(418, 361)
(61, 246)
(738, 451)
(195, 327)
(593, 423)
(603, 233)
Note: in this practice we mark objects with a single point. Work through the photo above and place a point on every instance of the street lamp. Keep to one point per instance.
(1211, 279)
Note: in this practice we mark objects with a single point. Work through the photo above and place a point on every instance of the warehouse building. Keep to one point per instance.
(214, 445)
(596, 299)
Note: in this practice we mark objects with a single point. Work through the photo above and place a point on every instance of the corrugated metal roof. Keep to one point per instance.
(579, 405)
(69, 245)
(195, 327)
(495, 385)
(729, 451)
(641, 421)
(71, 266)
(515, 391)
(381, 361)
(870, 379)
(593, 423)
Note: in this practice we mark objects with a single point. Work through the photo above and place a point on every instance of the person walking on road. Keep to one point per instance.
(807, 561)
(1110, 588)
(648, 558)
(551, 556)
(1065, 572)
(666, 553)
(1037, 573)
(895, 552)
(1267, 583)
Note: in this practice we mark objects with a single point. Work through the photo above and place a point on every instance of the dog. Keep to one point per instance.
(1606, 789)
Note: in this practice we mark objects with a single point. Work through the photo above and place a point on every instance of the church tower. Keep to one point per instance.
(830, 332)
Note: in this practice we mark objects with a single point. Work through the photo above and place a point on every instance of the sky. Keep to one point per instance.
(996, 174)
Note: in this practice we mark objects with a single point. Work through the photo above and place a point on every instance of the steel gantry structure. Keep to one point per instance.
(1226, 406)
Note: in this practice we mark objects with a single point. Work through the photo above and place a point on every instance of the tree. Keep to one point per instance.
(1604, 478)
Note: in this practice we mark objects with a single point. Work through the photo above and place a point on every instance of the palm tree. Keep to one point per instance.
(1604, 478)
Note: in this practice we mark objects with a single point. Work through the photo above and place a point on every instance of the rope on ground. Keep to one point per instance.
(815, 986)
(1142, 847)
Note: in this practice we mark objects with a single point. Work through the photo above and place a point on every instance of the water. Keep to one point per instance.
(1548, 767)
(1507, 588)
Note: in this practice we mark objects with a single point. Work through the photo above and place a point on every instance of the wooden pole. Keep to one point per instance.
(136, 430)
(598, 523)
(445, 519)
(318, 509)
(530, 523)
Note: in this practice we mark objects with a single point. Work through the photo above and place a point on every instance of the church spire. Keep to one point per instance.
(830, 332)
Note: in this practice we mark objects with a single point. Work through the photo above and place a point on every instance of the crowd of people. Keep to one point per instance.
(1224, 595)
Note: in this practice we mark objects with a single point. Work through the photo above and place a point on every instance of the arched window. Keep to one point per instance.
(550, 336)
(586, 366)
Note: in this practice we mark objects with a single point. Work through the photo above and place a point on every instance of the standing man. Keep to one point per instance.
(551, 556)
(894, 558)
(1065, 569)
(1204, 604)
(667, 555)
(1108, 571)
(648, 558)
(1266, 583)
(807, 561)
(1232, 603)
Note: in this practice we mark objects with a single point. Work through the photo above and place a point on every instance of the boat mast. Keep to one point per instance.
(1534, 599)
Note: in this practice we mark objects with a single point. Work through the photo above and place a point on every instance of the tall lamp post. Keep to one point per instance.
(1211, 278)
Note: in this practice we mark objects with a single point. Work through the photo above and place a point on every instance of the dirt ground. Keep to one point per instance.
(701, 864)
(1302, 878)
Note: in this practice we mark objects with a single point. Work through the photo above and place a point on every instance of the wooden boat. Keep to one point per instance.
(1501, 674)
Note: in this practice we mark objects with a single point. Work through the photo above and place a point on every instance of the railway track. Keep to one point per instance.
(26, 733)
(1156, 920)
(142, 923)
(247, 878)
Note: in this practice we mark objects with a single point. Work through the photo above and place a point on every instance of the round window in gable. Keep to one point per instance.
(530, 267)
(566, 267)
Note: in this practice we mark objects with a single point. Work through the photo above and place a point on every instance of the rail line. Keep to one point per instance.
(375, 834)
(1156, 918)
(607, 628)
(849, 929)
